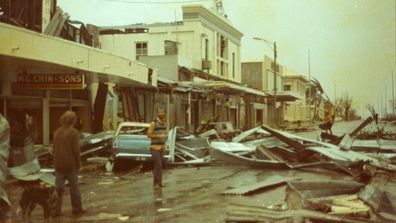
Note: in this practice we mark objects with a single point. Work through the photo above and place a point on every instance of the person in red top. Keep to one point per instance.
(67, 162)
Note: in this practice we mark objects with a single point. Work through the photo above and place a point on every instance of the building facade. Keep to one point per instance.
(297, 113)
(200, 52)
(46, 68)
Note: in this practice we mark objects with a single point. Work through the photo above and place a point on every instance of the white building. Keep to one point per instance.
(204, 40)
(204, 46)
(297, 113)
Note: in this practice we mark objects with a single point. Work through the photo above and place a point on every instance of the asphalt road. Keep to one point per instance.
(191, 194)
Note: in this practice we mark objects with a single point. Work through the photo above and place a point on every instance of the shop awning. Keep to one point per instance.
(22, 50)
(285, 96)
(225, 87)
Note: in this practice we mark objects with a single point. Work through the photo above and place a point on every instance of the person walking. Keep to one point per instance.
(158, 134)
(67, 162)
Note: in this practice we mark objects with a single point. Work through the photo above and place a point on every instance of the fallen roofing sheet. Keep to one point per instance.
(232, 147)
(249, 132)
(382, 201)
(311, 189)
(27, 171)
(333, 151)
(4, 147)
(236, 159)
(252, 188)
(380, 145)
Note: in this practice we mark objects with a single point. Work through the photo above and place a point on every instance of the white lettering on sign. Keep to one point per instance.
(47, 81)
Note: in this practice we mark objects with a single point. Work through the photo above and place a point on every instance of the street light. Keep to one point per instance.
(274, 68)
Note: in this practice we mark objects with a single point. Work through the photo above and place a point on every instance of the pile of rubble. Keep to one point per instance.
(369, 197)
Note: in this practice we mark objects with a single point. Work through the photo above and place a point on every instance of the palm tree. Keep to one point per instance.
(316, 97)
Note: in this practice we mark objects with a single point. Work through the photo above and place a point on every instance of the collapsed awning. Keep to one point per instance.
(31, 52)
(223, 86)
(285, 96)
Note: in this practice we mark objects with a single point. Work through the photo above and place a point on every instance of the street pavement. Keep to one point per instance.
(191, 194)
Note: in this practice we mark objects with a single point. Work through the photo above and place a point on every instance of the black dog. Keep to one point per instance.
(44, 196)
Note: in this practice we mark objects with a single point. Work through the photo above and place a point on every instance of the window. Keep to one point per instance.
(170, 47)
(287, 87)
(141, 49)
(222, 46)
(133, 130)
(233, 65)
(206, 49)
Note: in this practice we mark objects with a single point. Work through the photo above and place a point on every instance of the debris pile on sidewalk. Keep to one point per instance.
(369, 198)
(186, 148)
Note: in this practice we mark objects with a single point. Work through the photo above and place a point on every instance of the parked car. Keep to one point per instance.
(131, 142)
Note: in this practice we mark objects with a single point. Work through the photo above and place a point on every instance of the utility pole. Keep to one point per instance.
(386, 107)
(380, 105)
(275, 68)
(393, 95)
(310, 87)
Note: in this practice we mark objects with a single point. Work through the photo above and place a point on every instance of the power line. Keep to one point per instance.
(157, 2)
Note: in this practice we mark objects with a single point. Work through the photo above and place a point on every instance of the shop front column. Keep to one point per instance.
(46, 124)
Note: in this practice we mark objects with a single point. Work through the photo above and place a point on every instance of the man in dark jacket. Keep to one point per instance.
(67, 162)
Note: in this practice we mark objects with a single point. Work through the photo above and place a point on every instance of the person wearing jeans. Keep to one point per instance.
(67, 162)
(71, 175)
(158, 134)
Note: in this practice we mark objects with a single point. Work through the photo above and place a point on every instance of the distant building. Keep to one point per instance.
(297, 113)
(260, 76)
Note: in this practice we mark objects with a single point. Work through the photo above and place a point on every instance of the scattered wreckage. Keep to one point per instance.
(368, 198)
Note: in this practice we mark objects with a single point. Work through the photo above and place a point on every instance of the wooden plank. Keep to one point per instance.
(249, 213)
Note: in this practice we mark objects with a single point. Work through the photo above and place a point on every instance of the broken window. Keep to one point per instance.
(170, 47)
(22, 13)
(287, 87)
(135, 130)
(141, 49)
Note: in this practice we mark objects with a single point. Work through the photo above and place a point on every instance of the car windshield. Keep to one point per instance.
(135, 130)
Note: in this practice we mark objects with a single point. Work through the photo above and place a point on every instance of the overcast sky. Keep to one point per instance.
(351, 42)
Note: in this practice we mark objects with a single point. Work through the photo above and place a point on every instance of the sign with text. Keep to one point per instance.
(51, 81)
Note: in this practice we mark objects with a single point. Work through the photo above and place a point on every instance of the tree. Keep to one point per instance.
(338, 111)
(374, 114)
(317, 97)
(346, 103)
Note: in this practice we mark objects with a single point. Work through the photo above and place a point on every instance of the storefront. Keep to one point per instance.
(42, 76)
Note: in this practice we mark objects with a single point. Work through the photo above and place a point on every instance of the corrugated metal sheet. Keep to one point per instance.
(4, 151)
(268, 182)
